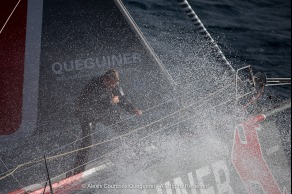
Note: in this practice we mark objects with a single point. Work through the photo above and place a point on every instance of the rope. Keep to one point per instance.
(145, 43)
(9, 17)
(282, 84)
(19, 166)
(186, 7)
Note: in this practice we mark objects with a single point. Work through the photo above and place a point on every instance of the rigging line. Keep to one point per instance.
(9, 17)
(19, 166)
(12, 175)
(145, 43)
(109, 140)
(48, 174)
(186, 7)
(282, 84)
(45, 187)
(279, 78)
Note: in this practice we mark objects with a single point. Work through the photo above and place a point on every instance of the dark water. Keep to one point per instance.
(256, 32)
(249, 32)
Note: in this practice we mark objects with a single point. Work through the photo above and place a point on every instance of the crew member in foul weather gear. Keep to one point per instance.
(99, 99)
(98, 102)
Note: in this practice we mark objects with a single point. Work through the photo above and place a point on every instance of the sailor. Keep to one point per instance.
(98, 102)
(99, 99)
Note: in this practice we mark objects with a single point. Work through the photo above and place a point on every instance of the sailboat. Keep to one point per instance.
(206, 127)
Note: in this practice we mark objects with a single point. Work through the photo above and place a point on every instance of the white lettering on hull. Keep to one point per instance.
(60, 68)
(221, 175)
